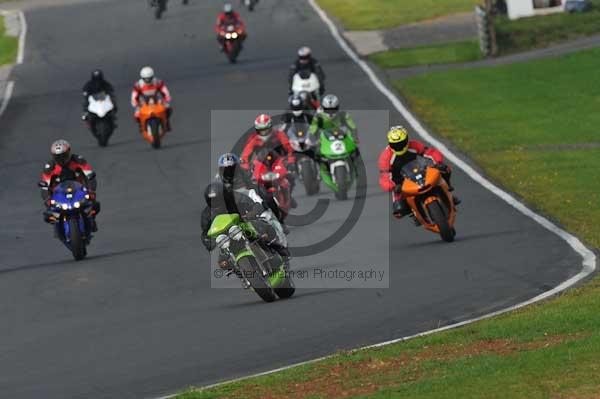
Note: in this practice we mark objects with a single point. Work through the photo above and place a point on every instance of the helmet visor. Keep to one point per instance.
(400, 146)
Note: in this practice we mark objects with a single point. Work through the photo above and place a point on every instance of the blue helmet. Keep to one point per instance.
(228, 164)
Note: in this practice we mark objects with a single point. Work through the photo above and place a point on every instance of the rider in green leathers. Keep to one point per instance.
(332, 118)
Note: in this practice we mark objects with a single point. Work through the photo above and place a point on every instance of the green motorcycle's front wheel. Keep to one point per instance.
(250, 269)
(341, 181)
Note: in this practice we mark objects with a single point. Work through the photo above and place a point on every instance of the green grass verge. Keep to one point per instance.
(428, 55)
(8, 45)
(384, 14)
(534, 127)
(542, 31)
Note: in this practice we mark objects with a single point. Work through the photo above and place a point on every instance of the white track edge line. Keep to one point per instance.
(22, 37)
(589, 258)
(7, 95)
(10, 86)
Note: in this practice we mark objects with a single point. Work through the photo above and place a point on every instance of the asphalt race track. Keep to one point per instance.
(138, 317)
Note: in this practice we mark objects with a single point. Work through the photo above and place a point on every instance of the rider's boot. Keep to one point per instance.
(400, 209)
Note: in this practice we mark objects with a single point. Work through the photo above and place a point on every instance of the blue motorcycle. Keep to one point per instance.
(71, 212)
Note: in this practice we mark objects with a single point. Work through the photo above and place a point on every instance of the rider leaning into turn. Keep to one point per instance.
(226, 18)
(304, 61)
(400, 151)
(332, 118)
(221, 201)
(148, 86)
(67, 166)
(97, 84)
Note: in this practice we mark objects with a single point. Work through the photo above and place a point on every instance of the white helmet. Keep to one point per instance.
(147, 73)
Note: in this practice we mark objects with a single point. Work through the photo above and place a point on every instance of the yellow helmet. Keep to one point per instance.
(398, 139)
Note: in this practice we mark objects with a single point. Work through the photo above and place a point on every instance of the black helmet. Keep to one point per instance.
(296, 104)
(214, 195)
(228, 167)
(97, 75)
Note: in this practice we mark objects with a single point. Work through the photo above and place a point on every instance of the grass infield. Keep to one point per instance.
(428, 55)
(8, 45)
(384, 14)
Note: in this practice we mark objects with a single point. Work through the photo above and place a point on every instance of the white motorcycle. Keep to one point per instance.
(306, 85)
(100, 117)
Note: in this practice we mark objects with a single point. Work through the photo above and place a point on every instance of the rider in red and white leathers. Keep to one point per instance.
(265, 137)
(149, 86)
(400, 151)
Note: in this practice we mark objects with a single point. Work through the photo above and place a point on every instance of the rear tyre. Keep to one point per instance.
(286, 289)
(154, 127)
(438, 216)
(251, 271)
(309, 177)
(77, 243)
(341, 180)
(234, 51)
(103, 131)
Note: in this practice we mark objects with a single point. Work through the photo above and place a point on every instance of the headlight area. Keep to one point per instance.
(222, 241)
(236, 233)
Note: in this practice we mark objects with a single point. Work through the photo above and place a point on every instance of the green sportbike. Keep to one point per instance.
(258, 267)
(338, 151)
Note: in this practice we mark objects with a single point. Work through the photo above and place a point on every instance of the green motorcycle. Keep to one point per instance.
(336, 159)
(259, 268)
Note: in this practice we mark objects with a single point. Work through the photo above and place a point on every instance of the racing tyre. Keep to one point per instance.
(286, 289)
(154, 127)
(341, 180)
(249, 268)
(103, 131)
(309, 177)
(438, 216)
(77, 243)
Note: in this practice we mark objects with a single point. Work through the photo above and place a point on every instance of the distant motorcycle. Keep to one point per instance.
(100, 117)
(336, 158)
(306, 85)
(153, 120)
(159, 6)
(429, 197)
(232, 36)
(250, 4)
(71, 213)
(305, 148)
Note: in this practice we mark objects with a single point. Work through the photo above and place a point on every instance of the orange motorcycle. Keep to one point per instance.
(153, 120)
(429, 198)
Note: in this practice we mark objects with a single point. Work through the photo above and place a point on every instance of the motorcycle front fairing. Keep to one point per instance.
(70, 200)
(100, 105)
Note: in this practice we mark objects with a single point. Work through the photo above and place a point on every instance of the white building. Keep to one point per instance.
(530, 8)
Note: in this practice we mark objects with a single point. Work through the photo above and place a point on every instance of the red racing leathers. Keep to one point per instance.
(278, 141)
(76, 168)
(143, 89)
(390, 164)
(224, 19)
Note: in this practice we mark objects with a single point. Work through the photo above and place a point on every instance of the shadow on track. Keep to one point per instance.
(70, 262)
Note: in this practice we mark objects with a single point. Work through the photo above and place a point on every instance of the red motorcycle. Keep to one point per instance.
(271, 172)
(232, 37)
